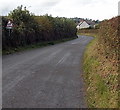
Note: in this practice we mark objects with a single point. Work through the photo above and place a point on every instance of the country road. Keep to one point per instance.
(48, 77)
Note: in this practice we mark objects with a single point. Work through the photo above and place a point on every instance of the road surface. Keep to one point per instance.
(49, 77)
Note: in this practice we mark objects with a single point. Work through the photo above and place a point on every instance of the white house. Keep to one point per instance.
(85, 24)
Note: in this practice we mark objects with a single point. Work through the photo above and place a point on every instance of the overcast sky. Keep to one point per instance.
(93, 9)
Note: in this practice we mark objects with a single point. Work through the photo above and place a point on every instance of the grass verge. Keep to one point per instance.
(38, 45)
(101, 77)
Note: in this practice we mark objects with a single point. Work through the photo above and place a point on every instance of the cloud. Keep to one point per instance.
(50, 3)
(119, 8)
(95, 9)
(41, 5)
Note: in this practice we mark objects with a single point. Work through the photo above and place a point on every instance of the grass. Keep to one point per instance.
(101, 77)
(98, 93)
(87, 34)
(38, 45)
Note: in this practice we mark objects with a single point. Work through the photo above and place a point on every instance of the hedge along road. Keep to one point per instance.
(45, 78)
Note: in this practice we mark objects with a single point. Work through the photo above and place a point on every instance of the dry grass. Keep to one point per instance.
(101, 79)
(101, 66)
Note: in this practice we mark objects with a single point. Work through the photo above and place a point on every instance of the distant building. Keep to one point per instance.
(86, 24)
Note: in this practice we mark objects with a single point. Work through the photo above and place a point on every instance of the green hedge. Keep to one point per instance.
(30, 29)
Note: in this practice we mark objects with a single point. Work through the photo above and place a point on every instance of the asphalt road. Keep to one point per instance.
(49, 77)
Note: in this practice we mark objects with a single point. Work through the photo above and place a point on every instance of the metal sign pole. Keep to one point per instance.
(9, 32)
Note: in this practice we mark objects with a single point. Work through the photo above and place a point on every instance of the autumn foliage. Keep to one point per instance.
(109, 36)
(108, 55)
(101, 66)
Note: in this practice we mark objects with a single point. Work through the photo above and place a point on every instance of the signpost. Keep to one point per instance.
(9, 26)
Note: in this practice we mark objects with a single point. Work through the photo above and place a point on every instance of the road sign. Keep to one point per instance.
(9, 25)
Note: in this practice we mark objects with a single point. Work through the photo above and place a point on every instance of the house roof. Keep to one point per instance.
(88, 22)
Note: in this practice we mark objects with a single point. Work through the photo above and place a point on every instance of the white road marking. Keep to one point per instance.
(63, 59)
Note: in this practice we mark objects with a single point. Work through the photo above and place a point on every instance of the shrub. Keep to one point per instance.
(30, 29)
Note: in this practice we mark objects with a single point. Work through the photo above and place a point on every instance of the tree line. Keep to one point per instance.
(30, 29)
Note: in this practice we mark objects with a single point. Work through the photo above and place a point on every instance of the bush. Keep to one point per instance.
(30, 29)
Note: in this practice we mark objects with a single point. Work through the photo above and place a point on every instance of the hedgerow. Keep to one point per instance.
(101, 66)
(30, 29)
